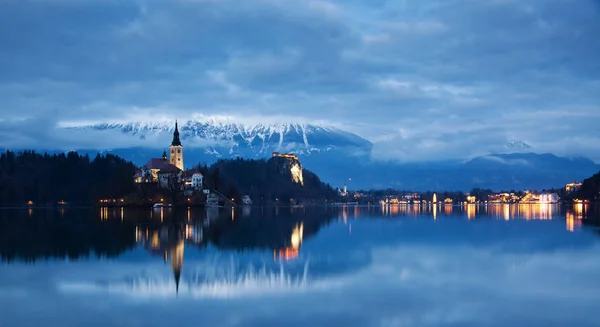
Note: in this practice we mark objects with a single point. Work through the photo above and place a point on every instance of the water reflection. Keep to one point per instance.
(382, 266)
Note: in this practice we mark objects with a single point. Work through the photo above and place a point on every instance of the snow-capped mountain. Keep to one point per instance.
(225, 139)
(336, 156)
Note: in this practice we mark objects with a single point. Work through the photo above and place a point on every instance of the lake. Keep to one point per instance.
(496, 265)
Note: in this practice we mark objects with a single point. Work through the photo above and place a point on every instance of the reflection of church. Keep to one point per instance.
(224, 231)
(169, 242)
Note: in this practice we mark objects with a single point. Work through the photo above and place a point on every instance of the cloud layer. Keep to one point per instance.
(452, 77)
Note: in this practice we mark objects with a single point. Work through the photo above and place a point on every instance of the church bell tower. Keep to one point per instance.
(176, 157)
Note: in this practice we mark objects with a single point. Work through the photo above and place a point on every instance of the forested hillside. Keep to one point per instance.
(590, 188)
(265, 181)
(46, 179)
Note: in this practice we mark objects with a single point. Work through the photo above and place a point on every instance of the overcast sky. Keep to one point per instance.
(412, 76)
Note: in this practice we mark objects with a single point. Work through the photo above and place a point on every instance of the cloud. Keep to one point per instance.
(388, 70)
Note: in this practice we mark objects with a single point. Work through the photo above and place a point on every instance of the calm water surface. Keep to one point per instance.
(351, 266)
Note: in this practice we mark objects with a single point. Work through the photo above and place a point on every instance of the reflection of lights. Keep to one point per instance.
(287, 254)
(232, 214)
(30, 212)
(448, 208)
(506, 212)
(104, 213)
(578, 208)
(162, 214)
(189, 232)
(291, 252)
(470, 211)
(297, 235)
(434, 211)
(345, 214)
(122, 214)
(155, 241)
(570, 222)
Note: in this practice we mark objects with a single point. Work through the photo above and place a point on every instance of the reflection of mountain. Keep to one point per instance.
(51, 234)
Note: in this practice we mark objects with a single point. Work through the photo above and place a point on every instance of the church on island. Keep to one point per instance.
(169, 172)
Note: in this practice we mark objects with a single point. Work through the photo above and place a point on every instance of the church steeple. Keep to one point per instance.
(177, 275)
(176, 141)
(176, 150)
(164, 156)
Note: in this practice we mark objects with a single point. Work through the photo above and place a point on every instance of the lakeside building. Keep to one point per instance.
(540, 198)
(503, 198)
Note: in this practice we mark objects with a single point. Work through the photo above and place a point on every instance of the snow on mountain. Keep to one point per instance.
(234, 138)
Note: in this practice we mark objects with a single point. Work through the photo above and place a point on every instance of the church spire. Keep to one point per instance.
(176, 141)
(177, 275)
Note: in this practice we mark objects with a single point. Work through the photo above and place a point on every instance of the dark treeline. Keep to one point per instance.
(52, 235)
(46, 179)
(590, 188)
(264, 181)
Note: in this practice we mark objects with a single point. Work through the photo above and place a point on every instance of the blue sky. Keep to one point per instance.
(412, 76)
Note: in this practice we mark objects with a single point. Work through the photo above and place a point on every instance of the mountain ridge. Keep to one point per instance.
(239, 139)
(340, 157)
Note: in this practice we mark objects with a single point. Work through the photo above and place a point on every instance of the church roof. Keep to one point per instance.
(169, 169)
(176, 141)
(156, 163)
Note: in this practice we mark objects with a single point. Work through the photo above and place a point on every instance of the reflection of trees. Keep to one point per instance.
(258, 230)
(52, 235)
(591, 217)
(268, 232)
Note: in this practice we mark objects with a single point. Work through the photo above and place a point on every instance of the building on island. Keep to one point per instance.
(168, 172)
(193, 179)
(170, 176)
